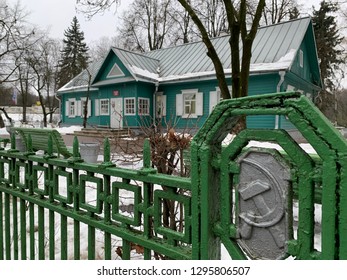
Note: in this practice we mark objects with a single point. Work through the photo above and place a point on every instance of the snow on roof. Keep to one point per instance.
(274, 49)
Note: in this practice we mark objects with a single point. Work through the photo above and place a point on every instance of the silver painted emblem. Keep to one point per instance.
(262, 208)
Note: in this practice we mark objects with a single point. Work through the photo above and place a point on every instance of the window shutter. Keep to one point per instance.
(89, 108)
(67, 108)
(163, 103)
(79, 111)
(213, 100)
(179, 104)
(199, 104)
(96, 109)
(76, 108)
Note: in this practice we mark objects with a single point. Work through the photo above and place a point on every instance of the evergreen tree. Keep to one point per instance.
(74, 54)
(328, 42)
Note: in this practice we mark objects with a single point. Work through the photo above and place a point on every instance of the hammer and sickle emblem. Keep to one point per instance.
(265, 217)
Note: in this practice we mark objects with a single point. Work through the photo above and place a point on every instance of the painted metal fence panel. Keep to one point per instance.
(218, 181)
(235, 196)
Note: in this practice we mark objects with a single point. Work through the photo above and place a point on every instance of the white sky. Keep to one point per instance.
(56, 15)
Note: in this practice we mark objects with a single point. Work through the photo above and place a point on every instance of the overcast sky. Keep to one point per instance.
(56, 15)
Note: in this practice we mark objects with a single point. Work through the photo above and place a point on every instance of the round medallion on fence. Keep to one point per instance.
(263, 195)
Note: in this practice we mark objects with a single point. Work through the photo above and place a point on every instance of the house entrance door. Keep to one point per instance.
(116, 113)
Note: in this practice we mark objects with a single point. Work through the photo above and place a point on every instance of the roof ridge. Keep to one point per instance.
(284, 22)
(135, 53)
(226, 35)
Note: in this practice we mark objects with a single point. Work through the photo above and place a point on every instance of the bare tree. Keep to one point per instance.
(237, 23)
(146, 24)
(23, 85)
(213, 15)
(43, 62)
(91, 8)
(275, 11)
(15, 37)
(99, 49)
(183, 30)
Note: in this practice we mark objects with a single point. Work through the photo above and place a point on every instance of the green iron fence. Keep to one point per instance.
(234, 197)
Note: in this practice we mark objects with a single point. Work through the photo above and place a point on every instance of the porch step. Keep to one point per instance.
(103, 132)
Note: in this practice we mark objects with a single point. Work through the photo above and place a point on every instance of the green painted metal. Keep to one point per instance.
(330, 146)
(54, 201)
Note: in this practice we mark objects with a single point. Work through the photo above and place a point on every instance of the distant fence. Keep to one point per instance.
(54, 208)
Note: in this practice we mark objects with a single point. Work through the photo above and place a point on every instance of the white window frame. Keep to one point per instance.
(182, 102)
(160, 105)
(72, 107)
(144, 111)
(102, 103)
(216, 97)
(130, 111)
(115, 66)
(189, 102)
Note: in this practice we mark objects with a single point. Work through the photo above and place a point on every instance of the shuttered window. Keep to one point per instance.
(189, 104)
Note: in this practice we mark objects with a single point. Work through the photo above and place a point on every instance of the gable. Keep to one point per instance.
(112, 71)
(305, 64)
(115, 72)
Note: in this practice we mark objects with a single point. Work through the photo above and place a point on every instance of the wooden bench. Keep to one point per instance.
(40, 137)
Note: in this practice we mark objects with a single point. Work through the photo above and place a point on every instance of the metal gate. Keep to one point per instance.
(237, 197)
(247, 197)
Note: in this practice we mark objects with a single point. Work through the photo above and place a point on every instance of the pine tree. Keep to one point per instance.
(74, 54)
(328, 42)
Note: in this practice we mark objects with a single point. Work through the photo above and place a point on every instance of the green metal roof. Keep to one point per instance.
(80, 82)
(274, 49)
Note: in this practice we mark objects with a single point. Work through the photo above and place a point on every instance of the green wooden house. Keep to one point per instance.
(178, 84)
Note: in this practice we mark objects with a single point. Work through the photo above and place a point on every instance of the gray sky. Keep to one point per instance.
(56, 15)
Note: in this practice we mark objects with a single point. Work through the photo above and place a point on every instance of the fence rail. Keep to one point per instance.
(241, 198)
(52, 202)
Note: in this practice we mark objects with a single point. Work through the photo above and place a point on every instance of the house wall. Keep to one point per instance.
(260, 84)
(123, 91)
(77, 119)
(173, 89)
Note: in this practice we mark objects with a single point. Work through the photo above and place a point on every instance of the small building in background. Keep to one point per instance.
(178, 85)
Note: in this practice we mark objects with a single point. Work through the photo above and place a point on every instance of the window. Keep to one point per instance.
(189, 101)
(104, 107)
(160, 105)
(129, 106)
(70, 107)
(143, 106)
(115, 72)
(216, 97)
(189, 104)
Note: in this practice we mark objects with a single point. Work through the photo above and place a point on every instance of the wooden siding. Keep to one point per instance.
(258, 85)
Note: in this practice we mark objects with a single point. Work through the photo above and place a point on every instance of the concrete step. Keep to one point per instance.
(103, 132)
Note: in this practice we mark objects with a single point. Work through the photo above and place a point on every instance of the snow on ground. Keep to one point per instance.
(126, 199)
